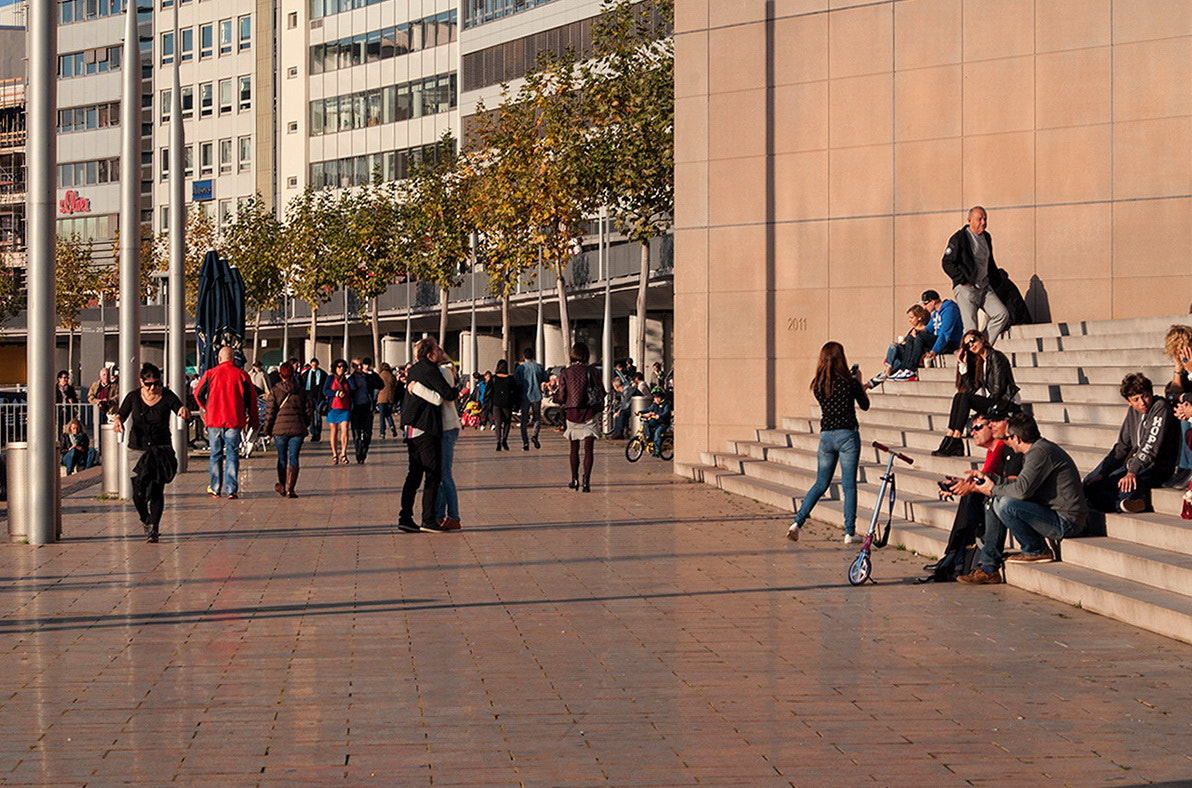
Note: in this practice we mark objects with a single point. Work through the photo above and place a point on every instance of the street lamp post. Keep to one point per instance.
(176, 343)
(606, 349)
(130, 226)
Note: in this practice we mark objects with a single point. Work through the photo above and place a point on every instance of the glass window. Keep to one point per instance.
(206, 100)
(225, 36)
(245, 153)
(345, 113)
(359, 111)
(374, 108)
(245, 92)
(316, 118)
(188, 160)
(92, 117)
(206, 40)
(316, 59)
(331, 111)
(225, 96)
(165, 164)
(245, 33)
(387, 43)
(188, 102)
(225, 155)
(188, 44)
(167, 104)
(388, 104)
(167, 48)
(206, 158)
(372, 46)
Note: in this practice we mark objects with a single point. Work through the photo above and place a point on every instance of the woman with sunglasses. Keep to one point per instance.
(337, 392)
(979, 368)
(150, 449)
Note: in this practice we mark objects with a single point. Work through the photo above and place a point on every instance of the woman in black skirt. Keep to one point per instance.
(150, 449)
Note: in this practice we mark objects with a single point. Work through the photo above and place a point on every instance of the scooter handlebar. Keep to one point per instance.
(899, 455)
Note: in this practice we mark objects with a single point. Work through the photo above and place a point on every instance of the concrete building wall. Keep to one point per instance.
(824, 155)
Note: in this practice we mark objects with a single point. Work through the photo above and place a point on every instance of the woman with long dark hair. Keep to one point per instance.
(838, 390)
(150, 447)
(500, 393)
(337, 392)
(979, 368)
(287, 419)
(581, 391)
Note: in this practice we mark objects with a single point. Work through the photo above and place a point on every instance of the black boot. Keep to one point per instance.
(587, 484)
(280, 487)
(945, 449)
(574, 483)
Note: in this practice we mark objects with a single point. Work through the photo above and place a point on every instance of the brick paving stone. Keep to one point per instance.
(653, 632)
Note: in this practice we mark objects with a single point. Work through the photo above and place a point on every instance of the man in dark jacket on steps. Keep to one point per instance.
(422, 427)
(969, 262)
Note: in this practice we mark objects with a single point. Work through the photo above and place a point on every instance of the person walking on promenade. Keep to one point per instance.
(838, 391)
(447, 501)
(386, 397)
(582, 395)
(422, 427)
(104, 393)
(150, 447)
(65, 393)
(227, 399)
(529, 376)
(979, 368)
(338, 394)
(968, 261)
(502, 397)
(313, 378)
(287, 419)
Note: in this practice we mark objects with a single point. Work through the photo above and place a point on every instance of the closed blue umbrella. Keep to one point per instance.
(219, 318)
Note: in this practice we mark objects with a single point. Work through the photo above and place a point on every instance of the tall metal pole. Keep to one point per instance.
(475, 346)
(42, 512)
(285, 327)
(540, 328)
(409, 320)
(346, 322)
(176, 344)
(130, 226)
(606, 349)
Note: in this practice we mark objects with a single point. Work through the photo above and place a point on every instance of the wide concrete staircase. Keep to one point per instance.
(1135, 568)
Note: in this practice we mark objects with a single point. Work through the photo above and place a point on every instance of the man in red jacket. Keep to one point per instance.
(228, 401)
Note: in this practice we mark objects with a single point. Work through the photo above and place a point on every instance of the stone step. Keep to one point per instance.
(1143, 564)
(1163, 531)
(1128, 359)
(1156, 610)
(944, 390)
(1154, 326)
(1122, 341)
(1108, 415)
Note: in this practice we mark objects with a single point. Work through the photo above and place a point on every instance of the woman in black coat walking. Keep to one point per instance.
(501, 399)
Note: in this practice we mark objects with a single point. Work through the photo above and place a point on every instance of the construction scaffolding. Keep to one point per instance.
(12, 173)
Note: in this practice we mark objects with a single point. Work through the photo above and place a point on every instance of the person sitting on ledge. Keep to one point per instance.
(1046, 502)
(905, 355)
(1177, 344)
(945, 324)
(1143, 457)
(979, 367)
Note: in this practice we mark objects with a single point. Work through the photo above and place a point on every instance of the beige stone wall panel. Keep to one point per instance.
(860, 40)
(919, 241)
(691, 194)
(801, 117)
(998, 28)
(1013, 231)
(1141, 20)
(860, 253)
(999, 169)
(738, 58)
(861, 181)
(1152, 158)
(801, 185)
(691, 15)
(739, 183)
(801, 255)
(1073, 242)
(928, 103)
(1073, 164)
(691, 129)
(730, 135)
(927, 33)
(801, 323)
(1152, 79)
(1072, 88)
(1071, 24)
(927, 175)
(862, 319)
(1141, 296)
(861, 111)
(737, 259)
(1151, 238)
(801, 49)
(691, 246)
(691, 64)
(999, 96)
(1080, 297)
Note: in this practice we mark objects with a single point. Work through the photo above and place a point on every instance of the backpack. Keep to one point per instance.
(594, 392)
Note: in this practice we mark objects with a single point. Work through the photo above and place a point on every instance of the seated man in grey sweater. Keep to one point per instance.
(1046, 501)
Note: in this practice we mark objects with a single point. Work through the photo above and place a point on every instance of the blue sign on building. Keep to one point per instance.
(203, 190)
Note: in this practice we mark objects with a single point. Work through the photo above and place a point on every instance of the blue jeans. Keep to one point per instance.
(78, 460)
(1185, 450)
(994, 541)
(225, 458)
(844, 445)
(386, 411)
(1033, 523)
(447, 501)
(287, 447)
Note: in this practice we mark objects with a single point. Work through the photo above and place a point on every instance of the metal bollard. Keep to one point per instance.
(640, 403)
(18, 491)
(110, 447)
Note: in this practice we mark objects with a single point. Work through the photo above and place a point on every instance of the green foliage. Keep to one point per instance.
(371, 245)
(12, 300)
(307, 251)
(78, 281)
(437, 218)
(201, 237)
(252, 242)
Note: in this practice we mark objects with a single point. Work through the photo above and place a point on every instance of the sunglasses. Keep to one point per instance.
(972, 341)
(150, 383)
(978, 427)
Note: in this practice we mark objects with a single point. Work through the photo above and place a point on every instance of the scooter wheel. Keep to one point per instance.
(858, 570)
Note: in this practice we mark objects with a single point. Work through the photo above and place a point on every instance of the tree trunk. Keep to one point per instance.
(506, 340)
(643, 280)
(285, 329)
(312, 341)
(443, 316)
(256, 336)
(376, 334)
(70, 353)
(564, 313)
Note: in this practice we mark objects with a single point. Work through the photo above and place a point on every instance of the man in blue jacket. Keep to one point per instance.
(530, 376)
(945, 324)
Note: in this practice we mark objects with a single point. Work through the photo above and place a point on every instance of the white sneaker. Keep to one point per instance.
(852, 539)
(877, 380)
(792, 533)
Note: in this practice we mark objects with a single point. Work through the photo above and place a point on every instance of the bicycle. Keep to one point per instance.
(859, 570)
(639, 444)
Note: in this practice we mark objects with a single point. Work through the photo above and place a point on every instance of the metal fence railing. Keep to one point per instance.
(14, 421)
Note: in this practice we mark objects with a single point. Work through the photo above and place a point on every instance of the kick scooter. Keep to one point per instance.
(859, 570)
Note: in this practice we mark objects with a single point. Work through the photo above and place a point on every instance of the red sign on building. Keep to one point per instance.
(72, 203)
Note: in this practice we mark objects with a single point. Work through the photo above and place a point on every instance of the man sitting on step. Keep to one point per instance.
(1145, 453)
(1045, 502)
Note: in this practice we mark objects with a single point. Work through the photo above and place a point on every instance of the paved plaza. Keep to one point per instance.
(653, 632)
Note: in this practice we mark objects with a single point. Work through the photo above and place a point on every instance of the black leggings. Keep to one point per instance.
(588, 443)
(504, 419)
(962, 404)
(150, 499)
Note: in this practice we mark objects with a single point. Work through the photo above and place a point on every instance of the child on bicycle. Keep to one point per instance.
(655, 419)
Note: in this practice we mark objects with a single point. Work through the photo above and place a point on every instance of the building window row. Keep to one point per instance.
(321, 8)
(235, 35)
(88, 173)
(233, 94)
(390, 104)
(361, 170)
(383, 44)
(477, 12)
(82, 10)
(233, 153)
(93, 116)
(89, 61)
(89, 228)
